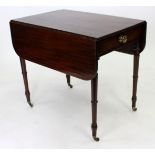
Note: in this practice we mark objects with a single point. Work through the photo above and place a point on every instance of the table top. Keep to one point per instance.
(82, 23)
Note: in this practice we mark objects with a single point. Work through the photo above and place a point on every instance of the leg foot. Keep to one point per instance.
(94, 129)
(71, 86)
(134, 99)
(134, 108)
(31, 105)
(96, 138)
(27, 93)
(68, 81)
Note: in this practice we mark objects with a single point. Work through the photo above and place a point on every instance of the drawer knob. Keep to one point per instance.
(123, 39)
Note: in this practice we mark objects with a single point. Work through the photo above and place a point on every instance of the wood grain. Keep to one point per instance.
(68, 53)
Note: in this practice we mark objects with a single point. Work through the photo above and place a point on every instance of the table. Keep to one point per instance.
(72, 42)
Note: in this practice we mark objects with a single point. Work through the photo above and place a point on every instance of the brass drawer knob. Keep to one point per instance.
(123, 39)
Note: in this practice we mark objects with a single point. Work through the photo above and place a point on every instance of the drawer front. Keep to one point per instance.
(120, 40)
(65, 52)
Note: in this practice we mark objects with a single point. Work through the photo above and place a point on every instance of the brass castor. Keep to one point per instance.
(96, 138)
(134, 108)
(71, 86)
(68, 81)
(31, 105)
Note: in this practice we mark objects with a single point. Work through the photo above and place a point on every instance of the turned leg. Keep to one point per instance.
(94, 83)
(68, 81)
(27, 93)
(135, 78)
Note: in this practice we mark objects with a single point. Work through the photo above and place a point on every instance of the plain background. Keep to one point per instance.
(61, 116)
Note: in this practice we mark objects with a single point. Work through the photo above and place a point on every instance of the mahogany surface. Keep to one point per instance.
(72, 41)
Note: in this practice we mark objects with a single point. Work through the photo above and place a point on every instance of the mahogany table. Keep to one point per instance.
(72, 42)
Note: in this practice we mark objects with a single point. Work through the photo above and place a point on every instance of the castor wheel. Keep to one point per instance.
(31, 105)
(134, 108)
(96, 138)
(71, 86)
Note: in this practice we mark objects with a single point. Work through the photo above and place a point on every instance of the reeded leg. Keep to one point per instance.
(24, 72)
(68, 81)
(135, 78)
(94, 85)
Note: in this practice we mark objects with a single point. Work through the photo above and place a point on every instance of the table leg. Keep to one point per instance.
(68, 81)
(94, 85)
(24, 72)
(135, 78)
